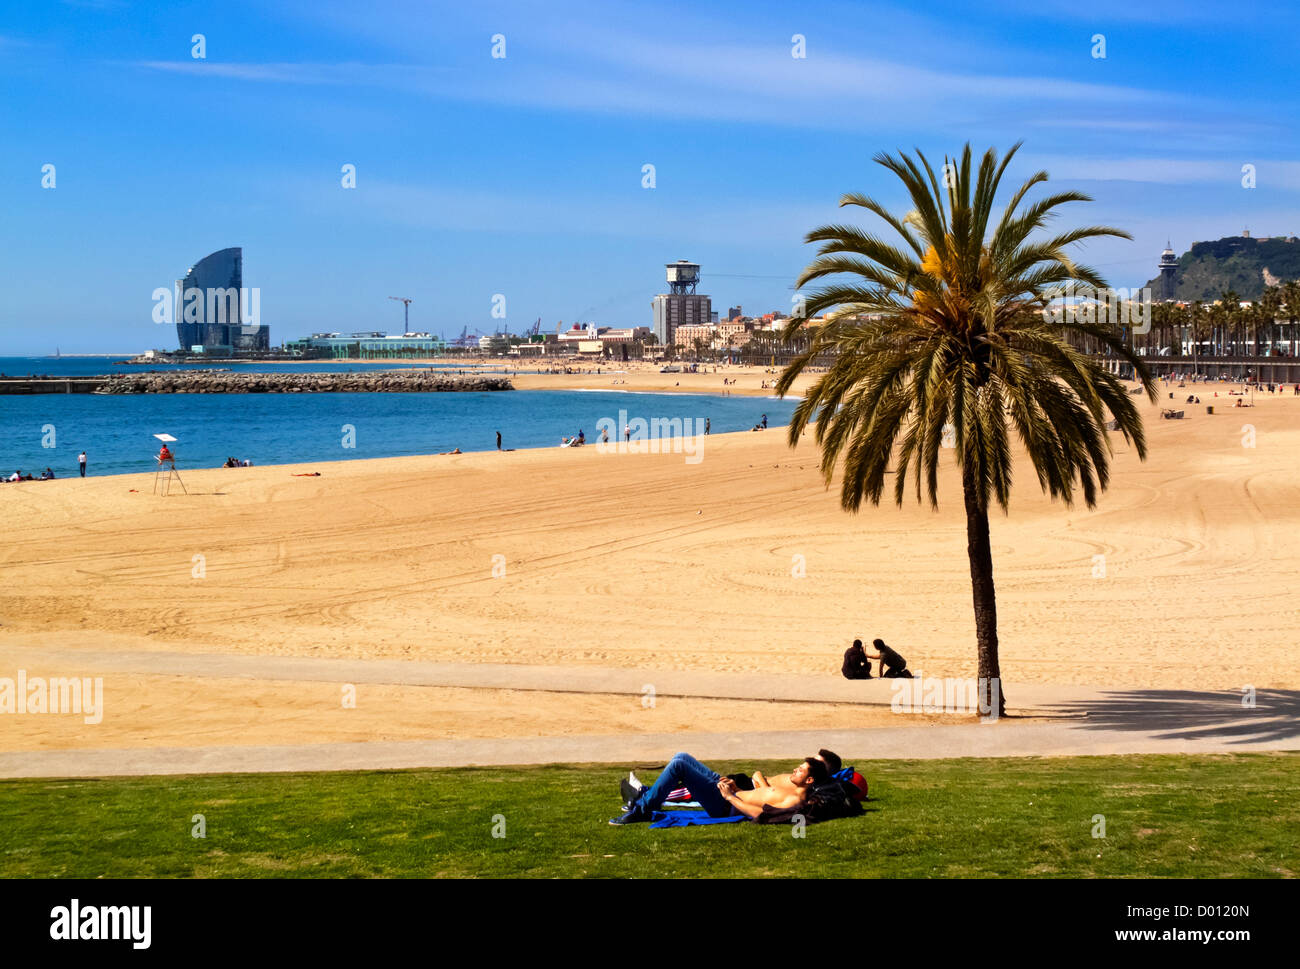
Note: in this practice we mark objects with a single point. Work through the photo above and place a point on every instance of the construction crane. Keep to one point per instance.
(406, 313)
(536, 327)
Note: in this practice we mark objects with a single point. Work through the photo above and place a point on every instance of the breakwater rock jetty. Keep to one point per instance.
(210, 382)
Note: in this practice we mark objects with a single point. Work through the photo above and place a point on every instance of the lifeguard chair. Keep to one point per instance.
(166, 472)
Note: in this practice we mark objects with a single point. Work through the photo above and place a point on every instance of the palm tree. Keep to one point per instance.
(1218, 316)
(1291, 296)
(1197, 326)
(1231, 323)
(1267, 309)
(944, 341)
(1162, 323)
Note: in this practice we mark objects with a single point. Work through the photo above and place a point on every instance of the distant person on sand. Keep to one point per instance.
(892, 665)
(81, 461)
(765, 422)
(707, 425)
(498, 440)
(856, 665)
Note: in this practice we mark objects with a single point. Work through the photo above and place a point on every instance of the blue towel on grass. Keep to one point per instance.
(686, 819)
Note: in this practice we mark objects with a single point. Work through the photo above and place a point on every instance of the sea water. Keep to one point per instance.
(116, 431)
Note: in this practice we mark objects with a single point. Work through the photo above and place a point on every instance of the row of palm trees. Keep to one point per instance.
(1224, 328)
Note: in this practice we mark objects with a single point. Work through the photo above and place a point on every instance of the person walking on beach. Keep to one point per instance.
(765, 422)
(706, 427)
(498, 440)
(81, 462)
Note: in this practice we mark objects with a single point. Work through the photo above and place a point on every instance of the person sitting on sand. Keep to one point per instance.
(720, 796)
(856, 666)
(892, 665)
(47, 475)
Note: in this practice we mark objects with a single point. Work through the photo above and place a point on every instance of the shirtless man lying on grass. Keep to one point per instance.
(719, 795)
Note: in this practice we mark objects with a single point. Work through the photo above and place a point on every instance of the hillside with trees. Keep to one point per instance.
(1236, 263)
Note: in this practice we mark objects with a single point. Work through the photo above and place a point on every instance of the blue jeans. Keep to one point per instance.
(685, 771)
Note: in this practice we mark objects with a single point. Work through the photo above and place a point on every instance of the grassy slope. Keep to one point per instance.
(1204, 816)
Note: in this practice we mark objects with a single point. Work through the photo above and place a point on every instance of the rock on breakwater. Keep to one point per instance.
(383, 382)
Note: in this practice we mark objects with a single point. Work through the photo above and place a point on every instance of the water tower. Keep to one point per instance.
(682, 277)
(681, 305)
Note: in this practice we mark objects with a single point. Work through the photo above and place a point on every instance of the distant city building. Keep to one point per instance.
(597, 339)
(680, 306)
(734, 313)
(213, 310)
(735, 330)
(369, 345)
(688, 333)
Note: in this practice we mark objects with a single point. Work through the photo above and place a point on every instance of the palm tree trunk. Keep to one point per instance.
(980, 553)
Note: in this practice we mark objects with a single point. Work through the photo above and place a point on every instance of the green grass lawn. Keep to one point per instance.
(1183, 816)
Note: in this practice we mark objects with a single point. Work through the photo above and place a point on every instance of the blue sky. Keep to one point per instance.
(522, 175)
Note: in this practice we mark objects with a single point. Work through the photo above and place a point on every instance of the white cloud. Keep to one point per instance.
(621, 73)
(1169, 171)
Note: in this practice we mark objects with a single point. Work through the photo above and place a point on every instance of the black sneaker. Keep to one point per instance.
(635, 815)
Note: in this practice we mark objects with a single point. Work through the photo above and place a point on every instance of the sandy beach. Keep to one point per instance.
(740, 563)
(633, 376)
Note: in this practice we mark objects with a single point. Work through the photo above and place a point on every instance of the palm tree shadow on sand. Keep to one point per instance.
(1192, 715)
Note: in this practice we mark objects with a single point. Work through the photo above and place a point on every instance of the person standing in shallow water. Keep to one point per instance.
(498, 440)
(81, 462)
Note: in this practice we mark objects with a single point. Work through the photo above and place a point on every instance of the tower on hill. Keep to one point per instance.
(1168, 273)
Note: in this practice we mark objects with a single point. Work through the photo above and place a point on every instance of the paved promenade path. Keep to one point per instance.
(1066, 720)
